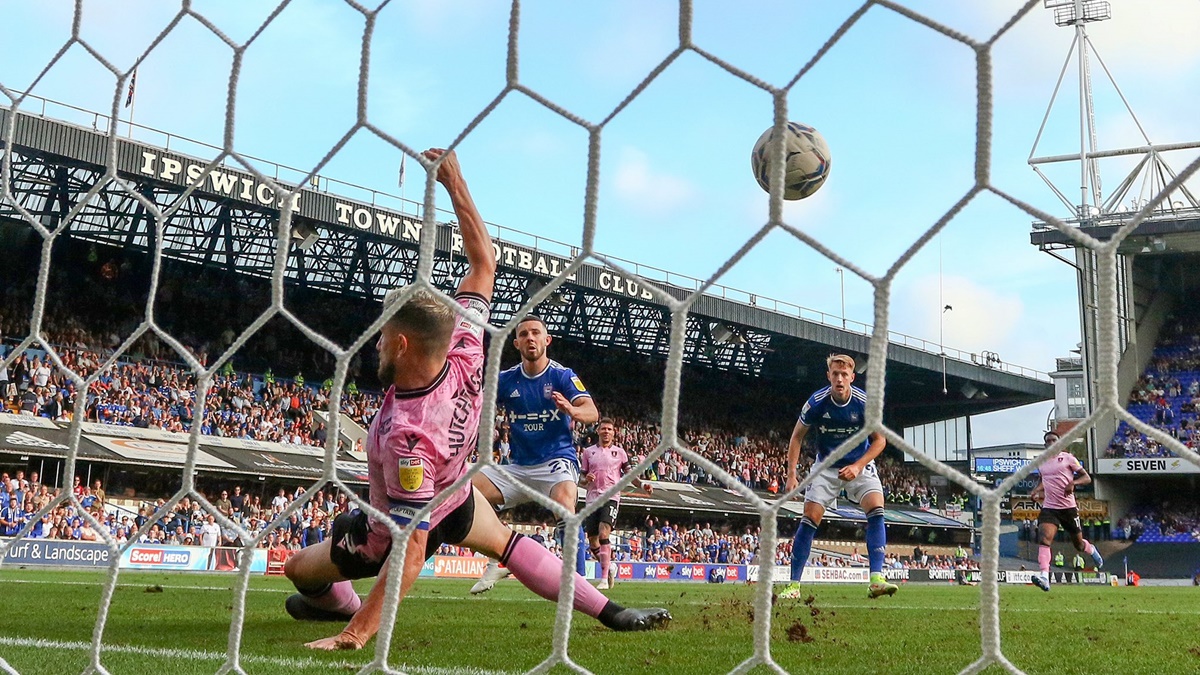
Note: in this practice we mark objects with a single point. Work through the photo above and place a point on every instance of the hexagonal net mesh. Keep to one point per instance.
(990, 643)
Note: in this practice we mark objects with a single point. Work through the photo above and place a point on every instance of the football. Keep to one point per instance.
(805, 160)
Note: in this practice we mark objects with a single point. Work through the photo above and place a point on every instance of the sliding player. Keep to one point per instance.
(418, 446)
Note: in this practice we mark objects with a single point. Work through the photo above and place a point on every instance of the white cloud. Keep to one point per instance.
(648, 189)
(1015, 425)
(983, 319)
(631, 43)
(1154, 38)
(815, 215)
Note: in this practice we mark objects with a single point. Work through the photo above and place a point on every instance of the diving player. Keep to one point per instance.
(418, 446)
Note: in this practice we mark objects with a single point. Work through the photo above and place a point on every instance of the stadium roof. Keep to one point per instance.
(27, 435)
(229, 221)
(36, 436)
(1163, 232)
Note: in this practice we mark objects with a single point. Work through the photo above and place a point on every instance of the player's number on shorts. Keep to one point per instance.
(560, 466)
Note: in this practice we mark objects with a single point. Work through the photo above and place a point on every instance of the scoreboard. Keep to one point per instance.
(1000, 464)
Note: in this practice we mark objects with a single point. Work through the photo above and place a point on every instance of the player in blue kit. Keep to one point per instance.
(542, 400)
(837, 412)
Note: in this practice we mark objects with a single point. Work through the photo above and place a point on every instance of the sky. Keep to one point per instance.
(894, 99)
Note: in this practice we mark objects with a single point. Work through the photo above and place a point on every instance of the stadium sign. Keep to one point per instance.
(1027, 509)
(27, 440)
(1146, 465)
(455, 567)
(224, 182)
(26, 435)
(155, 452)
(165, 557)
(30, 421)
(57, 553)
(714, 573)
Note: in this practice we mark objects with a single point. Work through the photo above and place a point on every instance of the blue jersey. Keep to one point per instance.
(540, 431)
(835, 423)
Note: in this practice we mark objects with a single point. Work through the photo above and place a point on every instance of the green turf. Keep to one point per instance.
(923, 629)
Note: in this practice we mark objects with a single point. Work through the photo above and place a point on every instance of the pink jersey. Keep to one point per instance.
(420, 441)
(605, 466)
(1057, 473)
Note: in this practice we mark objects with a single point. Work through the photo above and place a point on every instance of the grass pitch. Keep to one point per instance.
(179, 624)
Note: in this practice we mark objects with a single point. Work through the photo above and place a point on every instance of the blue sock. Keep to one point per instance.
(560, 535)
(581, 558)
(802, 546)
(876, 539)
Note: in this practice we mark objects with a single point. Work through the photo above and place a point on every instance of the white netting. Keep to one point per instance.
(991, 652)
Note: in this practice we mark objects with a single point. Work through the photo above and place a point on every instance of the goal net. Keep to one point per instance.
(980, 48)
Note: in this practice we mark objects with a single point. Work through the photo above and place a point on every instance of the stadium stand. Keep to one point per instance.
(90, 310)
(1166, 396)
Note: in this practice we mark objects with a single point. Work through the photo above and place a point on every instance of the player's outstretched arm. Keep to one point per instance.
(477, 243)
(365, 623)
(793, 458)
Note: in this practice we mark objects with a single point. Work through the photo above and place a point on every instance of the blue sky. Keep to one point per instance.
(894, 99)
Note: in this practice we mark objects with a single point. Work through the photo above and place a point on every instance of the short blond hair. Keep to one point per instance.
(424, 319)
(839, 358)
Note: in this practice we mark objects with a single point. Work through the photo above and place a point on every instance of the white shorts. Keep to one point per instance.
(826, 486)
(541, 477)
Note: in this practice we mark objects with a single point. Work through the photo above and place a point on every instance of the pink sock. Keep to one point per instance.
(540, 570)
(605, 558)
(1044, 559)
(1087, 547)
(340, 597)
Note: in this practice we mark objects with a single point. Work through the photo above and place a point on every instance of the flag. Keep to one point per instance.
(402, 158)
(132, 84)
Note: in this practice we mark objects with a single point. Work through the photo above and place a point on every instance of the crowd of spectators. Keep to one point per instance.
(756, 460)
(186, 524)
(94, 307)
(1160, 522)
(1166, 396)
(700, 541)
(161, 395)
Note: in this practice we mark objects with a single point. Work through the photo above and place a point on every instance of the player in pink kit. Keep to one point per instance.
(1060, 474)
(602, 466)
(419, 444)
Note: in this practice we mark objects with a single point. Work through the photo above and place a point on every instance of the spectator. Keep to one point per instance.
(237, 500)
(210, 532)
(224, 505)
(313, 534)
(98, 493)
